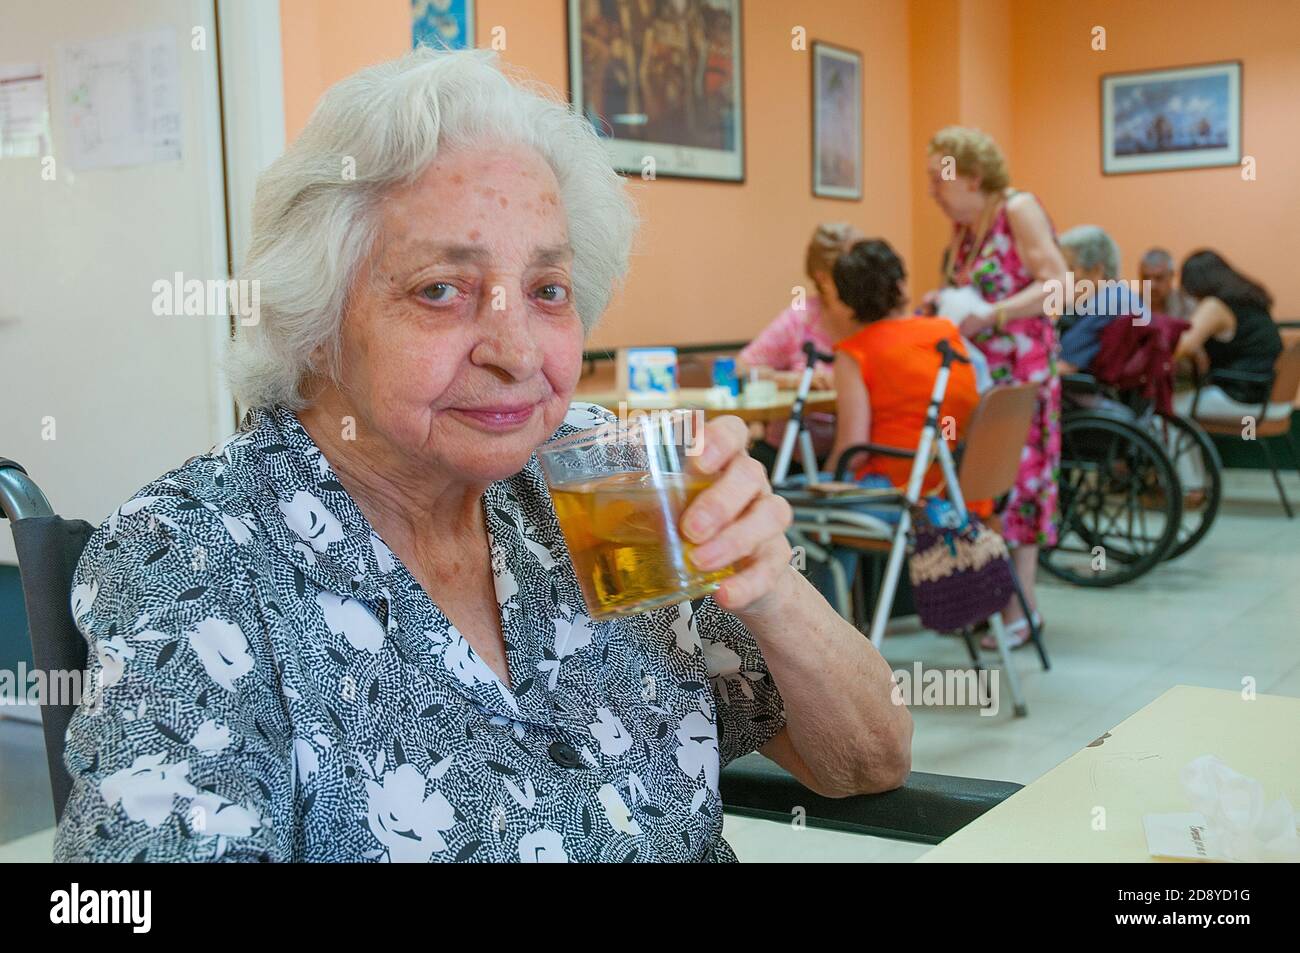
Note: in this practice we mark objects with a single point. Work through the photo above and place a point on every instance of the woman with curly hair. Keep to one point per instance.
(884, 373)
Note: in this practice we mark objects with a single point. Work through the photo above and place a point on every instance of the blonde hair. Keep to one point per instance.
(976, 155)
(829, 241)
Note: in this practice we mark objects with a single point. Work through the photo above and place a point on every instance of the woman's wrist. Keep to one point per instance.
(774, 607)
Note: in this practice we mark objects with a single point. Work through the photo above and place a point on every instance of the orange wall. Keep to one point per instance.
(961, 74)
(935, 69)
(1056, 150)
(714, 261)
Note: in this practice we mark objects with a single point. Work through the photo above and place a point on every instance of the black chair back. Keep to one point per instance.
(48, 549)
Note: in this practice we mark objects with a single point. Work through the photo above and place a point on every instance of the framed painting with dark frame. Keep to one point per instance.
(837, 122)
(662, 83)
(1186, 117)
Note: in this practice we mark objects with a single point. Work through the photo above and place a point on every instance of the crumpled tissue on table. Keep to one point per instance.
(1232, 820)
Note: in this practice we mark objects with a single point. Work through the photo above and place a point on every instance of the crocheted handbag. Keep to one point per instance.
(960, 569)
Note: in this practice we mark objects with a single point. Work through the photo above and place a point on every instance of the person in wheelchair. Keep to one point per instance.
(1099, 297)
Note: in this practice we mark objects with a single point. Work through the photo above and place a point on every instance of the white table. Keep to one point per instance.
(1133, 772)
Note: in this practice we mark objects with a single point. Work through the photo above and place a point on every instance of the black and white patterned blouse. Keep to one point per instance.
(277, 686)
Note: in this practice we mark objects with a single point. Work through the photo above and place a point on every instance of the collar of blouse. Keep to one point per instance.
(316, 526)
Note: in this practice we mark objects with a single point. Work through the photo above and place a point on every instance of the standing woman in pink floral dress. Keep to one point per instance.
(1004, 248)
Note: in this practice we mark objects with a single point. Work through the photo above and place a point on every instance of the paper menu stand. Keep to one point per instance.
(647, 374)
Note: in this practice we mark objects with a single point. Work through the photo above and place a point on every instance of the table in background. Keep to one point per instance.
(1131, 771)
(698, 398)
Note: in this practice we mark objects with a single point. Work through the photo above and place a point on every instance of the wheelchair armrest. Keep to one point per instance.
(20, 497)
(925, 810)
(1079, 381)
(842, 466)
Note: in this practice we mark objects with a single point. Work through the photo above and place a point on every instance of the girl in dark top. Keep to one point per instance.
(1232, 329)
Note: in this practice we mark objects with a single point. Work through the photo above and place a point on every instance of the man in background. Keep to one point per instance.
(1157, 267)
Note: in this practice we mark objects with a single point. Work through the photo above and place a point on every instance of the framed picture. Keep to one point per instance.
(1160, 120)
(837, 122)
(444, 24)
(661, 81)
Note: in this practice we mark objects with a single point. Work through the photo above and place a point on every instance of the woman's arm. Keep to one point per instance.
(183, 750)
(844, 732)
(1041, 256)
(852, 407)
(1211, 318)
(773, 346)
(846, 729)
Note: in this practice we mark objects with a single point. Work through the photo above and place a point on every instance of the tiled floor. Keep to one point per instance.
(1228, 610)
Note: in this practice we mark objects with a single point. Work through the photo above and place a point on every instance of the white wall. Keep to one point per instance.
(131, 394)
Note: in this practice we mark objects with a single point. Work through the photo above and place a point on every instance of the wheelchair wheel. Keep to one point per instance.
(1200, 472)
(1120, 503)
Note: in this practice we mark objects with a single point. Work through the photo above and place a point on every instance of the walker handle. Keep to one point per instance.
(813, 355)
(949, 355)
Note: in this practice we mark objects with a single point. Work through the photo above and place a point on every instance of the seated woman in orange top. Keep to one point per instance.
(884, 373)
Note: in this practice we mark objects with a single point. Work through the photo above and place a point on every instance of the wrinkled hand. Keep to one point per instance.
(738, 520)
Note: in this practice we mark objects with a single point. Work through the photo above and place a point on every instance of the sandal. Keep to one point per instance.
(1018, 635)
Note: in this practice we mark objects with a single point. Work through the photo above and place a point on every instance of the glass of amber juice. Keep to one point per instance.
(619, 491)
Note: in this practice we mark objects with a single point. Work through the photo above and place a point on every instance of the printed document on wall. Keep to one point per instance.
(121, 99)
(24, 112)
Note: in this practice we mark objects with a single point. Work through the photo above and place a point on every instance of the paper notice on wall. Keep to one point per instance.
(24, 112)
(121, 100)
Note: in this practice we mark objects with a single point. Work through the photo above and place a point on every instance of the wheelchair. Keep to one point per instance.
(1137, 488)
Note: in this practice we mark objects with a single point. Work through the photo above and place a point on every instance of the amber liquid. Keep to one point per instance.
(627, 551)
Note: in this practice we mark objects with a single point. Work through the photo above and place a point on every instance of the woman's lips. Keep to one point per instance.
(499, 418)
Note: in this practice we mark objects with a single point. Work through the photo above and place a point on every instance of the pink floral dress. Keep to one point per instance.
(1024, 351)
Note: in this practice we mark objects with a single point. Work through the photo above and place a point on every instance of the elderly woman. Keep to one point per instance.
(1099, 298)
(820, 319)
(352, 630)
(1003, 248)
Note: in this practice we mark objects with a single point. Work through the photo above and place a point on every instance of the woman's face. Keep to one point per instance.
(1085, 279)
(958, 196)
(461, 343)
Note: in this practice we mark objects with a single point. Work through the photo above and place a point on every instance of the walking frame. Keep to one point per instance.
(818, 516)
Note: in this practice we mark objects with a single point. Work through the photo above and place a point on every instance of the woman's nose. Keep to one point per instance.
(507, 339)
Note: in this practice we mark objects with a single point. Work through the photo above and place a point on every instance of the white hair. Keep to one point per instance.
(313, 221)
(1091, 246)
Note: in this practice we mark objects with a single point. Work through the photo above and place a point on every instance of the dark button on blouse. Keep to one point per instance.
(565, 755)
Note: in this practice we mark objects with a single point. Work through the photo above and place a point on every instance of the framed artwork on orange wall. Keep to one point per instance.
(1187, 117)
(837, 122)
(661, 82)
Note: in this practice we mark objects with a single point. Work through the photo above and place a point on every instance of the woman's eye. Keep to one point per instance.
(439, 292)
(554, 293)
